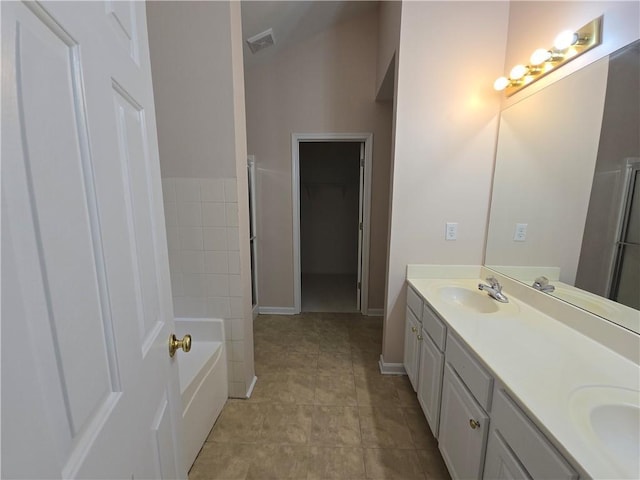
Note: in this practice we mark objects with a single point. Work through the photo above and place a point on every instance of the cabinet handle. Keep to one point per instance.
(414, 329)
(473, 424)
(419, 337)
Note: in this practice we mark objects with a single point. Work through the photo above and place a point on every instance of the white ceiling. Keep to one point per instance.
(293, 21)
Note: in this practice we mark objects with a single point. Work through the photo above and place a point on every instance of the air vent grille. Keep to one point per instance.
(261, 41)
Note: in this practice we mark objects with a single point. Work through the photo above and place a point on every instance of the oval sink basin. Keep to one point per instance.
(585, 301)
(469, 299)
(611, 417)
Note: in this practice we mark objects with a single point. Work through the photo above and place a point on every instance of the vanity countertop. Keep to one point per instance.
(549, 367)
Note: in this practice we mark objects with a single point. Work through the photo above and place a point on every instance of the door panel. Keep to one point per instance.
(84, 260)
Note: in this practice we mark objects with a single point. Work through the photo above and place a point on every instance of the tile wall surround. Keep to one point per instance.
(201, 217)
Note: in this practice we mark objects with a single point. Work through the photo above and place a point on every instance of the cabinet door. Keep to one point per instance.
(500, 462)
(463, 428)
(430, 381)
(411, 348)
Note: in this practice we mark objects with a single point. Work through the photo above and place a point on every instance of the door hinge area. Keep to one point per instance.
(360, 226)
(359, 285)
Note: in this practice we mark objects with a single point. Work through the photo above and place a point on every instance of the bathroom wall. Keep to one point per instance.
(196, 63)
(326, 83)
(446, 120)
(446, 126)
(388, 37)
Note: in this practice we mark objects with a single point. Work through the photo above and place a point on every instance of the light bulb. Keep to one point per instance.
(540, 56)
(565, 39)
(501, 83)
(518, 72)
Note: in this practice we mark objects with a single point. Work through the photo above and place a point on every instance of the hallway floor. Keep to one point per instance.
(321, 409)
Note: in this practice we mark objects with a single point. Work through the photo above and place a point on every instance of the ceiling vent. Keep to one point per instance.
(260, 41)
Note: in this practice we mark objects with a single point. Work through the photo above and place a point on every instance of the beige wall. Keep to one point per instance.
(196, 62)
(324, 84)
(446, 124)
(192, 77)
(388, 37)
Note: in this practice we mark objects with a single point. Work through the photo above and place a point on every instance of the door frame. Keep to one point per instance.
(296, 139)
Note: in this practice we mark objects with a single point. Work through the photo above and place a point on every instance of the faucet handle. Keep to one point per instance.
(541, 281)
(493, 282)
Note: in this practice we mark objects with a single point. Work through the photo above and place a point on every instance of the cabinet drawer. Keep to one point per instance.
(532, 448)
(476, 378)
(434, 327)
(414, 302)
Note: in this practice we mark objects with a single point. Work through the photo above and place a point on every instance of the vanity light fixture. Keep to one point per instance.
(567, 45)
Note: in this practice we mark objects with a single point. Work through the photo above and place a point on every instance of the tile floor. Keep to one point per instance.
(321, 409)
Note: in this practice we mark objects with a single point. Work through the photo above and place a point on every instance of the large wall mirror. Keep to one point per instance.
(566, 193)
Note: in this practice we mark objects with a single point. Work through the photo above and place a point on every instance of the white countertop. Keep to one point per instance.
(546, 365)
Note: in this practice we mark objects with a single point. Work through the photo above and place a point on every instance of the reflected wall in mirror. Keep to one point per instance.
(566, 193)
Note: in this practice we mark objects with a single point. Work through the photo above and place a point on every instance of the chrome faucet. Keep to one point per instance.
(494, 289)
(542, 284)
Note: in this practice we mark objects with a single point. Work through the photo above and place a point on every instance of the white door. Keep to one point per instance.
(88, 389)
(360, 228)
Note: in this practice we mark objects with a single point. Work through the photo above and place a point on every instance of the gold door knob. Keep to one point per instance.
(175, 344)
(419, 337)
(414, 329)
(473, 424)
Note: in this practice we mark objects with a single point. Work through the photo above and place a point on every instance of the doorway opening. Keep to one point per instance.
(331, 197)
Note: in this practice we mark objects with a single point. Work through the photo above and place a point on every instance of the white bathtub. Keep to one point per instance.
(203, 380)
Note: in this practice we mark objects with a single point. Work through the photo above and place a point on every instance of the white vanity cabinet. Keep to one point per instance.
(431, 367)
(412, 337)
(517, 449)
(464, 421)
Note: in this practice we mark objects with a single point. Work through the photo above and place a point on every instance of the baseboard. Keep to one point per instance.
(277, 310)
(391, 368)
(375, 312)
(251, 387)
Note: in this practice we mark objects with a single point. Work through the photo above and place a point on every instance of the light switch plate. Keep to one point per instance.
(451, 232)
(521, 232)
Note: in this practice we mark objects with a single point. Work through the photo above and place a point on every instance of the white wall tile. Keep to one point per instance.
(230, 190)
(237, 329)
(233, 241)
(218, 307)
(227, 328)
(190, 307)
(232, 214)
(217, 285)
(213, 215)
(236, 389)
(189, 214)
(173, 242)
(192, 261)
(215, 238)
(212, 189)
(168, 190)
(176, 285)
(236, 304)
(237, 351)
(171, 213)
(193, 284)
(238, 370)
(234, 262)
(187, 189)
(174, 262)
(235, 286)
(216, 262)
(190, 238)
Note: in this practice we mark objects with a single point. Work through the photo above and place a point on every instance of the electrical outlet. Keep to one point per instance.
(451, 232)
(521, 232)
